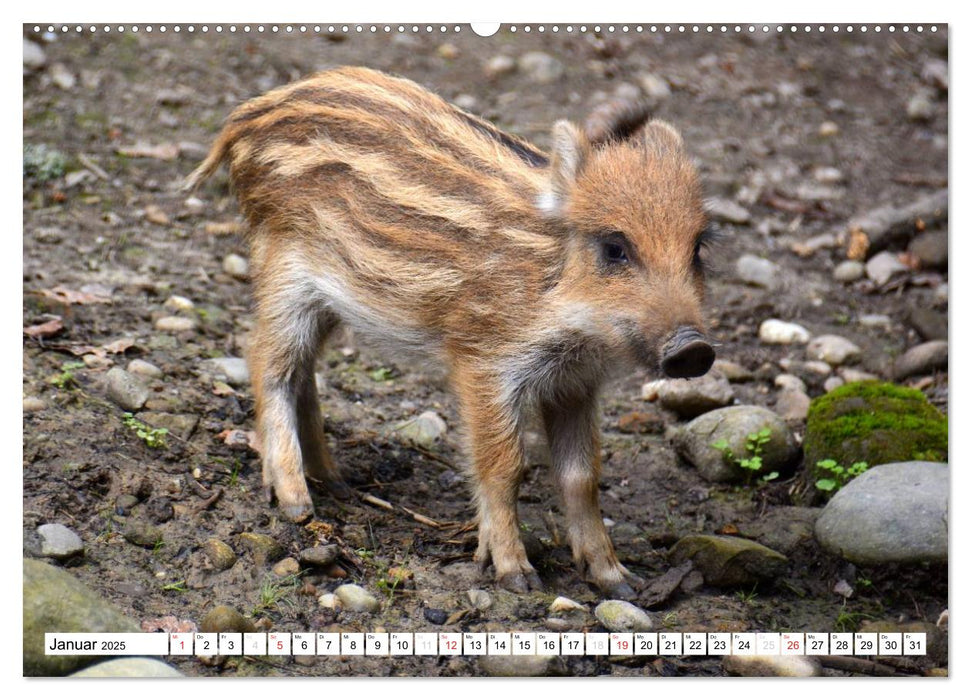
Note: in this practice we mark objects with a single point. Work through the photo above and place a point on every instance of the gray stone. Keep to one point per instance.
(236, 266)
(129, 667)
(175, 324)
(881, 321)
(894, 512)
(849, 271)
(729, 561)
(775, 332)
(34, 56)
(59, 542)
(828, 175)
(930, 324)
(223, 618)
(834, 350)
(692, 397)
(757, 271)
(732, 371)
(54, 600)
(790, 381)
(142, 533)
(621, 616)
(733, 425)
(540, 67)
(654, 86)
(851, 374)
(233, 370)
(930, 248)
(480, 600)
(934, 73)
(498, 66)
(320, 556)
(264, 548)
(792, 404)
(144, 369)
(513, 666)
(178, 303)
(33, 404)
(220, 554)
(422, 430)
(882, 266)
(563, 604)
(356, 599)
(775, 666)
(62, 77)
(922, 359)
(920, 107)
(728, 211)
(833, 383)
(125, 389)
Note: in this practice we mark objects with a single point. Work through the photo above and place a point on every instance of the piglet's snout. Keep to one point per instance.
(687, 354)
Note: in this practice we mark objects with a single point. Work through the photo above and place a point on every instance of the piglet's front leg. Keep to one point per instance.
(574, 439)
(495, 448)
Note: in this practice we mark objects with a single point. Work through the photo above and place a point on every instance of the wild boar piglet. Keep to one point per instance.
(371, 201)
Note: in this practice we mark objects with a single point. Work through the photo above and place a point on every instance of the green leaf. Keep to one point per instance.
(826, 484)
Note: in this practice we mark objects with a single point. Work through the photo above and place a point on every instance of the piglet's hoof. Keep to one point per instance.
(298, 513)
(521, 583)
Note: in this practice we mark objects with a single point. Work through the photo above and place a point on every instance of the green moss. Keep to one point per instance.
(874, 422)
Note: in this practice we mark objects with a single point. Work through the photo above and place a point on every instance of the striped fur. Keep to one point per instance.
(373, 202)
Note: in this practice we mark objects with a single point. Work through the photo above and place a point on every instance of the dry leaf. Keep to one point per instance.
(859, 245)
(70, 296)
(162, 151)
(47, 329)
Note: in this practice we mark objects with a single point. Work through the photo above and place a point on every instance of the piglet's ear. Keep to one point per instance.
(571, 149)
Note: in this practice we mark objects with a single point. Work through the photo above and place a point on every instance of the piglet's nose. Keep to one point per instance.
(687, 354)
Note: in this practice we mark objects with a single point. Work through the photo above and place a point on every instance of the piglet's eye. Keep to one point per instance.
(614, 249)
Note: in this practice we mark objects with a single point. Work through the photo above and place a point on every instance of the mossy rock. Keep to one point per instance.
(876, 423)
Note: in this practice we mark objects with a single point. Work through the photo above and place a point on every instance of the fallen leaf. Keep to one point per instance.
(858, 246)
(162, 151)
(910, 260)
(169, 624)
(728, 530)
(70, 296)
(48, 329)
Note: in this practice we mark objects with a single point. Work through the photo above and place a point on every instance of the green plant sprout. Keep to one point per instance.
(754, 444)
(839, 475)
(153, 437)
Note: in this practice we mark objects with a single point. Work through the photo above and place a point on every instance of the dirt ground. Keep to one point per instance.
(137, 112)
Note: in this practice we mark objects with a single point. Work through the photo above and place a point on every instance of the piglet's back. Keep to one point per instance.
(393, 193)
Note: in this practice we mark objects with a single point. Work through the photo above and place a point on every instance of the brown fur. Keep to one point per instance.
(373, 202)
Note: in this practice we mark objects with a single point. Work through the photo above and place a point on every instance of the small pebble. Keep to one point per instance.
(827, 129)
(833, 383)
(32, 404)
(621, 616)
(757, 271)
(177, 303)
(882, 266)
(728, 211)
(498, 66)
(59, 541)
(144, 369)
(563, 604)
(776, 332)
(329, 601)
(286, 567)
(236, 266)
(125, 389)
(654, 86)
(790, 381)
(357, 599)
(849, 271)
(540, 67)
(834, 350)
(792, 404)
(175, 324)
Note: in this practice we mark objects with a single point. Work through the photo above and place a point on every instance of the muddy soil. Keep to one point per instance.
(137, 112)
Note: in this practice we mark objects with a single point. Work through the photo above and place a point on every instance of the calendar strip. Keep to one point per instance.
(348, 644)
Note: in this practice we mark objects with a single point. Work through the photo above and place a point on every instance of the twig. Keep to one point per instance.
(375, 501)
(424, 520)
(93, 167)
(857, 665)
(210, 502)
